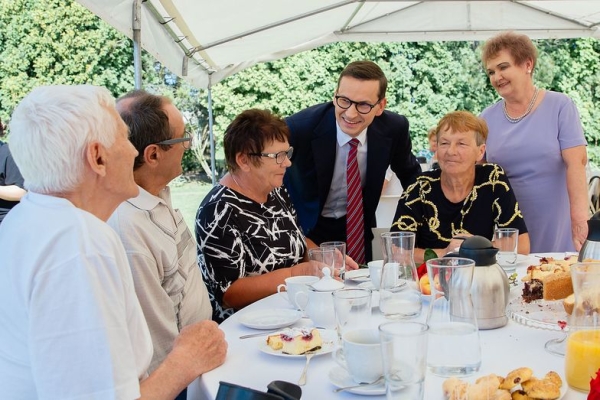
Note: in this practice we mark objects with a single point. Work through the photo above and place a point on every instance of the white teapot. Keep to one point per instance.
(320, 300)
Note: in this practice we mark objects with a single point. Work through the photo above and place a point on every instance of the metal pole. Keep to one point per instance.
(136, 24)
(211, 135)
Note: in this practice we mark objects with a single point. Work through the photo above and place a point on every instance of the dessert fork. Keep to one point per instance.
(377, 382)
(302, 380)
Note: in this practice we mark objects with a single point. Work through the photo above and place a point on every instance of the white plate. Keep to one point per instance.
(329, 337)
(339, 377)
(358, 275)
(270, 319)
(522, 261)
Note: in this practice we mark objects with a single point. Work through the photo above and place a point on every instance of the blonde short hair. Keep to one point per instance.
(464, 121)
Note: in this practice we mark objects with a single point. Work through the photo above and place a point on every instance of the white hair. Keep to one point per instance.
(51, 128)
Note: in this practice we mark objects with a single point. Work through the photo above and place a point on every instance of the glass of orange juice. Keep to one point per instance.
(582, 357)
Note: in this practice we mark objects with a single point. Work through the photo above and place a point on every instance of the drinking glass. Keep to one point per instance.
(352, 309)
(400, 296)
(404, 355)
(321, 258)
(454, 348)
(339, 263)
(507, 240)
(582, 356)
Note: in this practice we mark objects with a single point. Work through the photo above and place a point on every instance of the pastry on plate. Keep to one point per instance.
(296, 341)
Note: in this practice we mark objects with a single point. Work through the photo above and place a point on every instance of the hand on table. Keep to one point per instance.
(201, 346)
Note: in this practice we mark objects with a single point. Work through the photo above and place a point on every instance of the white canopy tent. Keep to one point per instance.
(204, 41)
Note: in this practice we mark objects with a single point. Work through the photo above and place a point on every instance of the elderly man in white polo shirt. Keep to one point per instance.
(72, 326)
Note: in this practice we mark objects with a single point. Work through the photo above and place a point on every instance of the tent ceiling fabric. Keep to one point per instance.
(219, 38)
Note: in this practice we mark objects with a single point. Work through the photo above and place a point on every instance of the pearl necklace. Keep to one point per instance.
(529, 108)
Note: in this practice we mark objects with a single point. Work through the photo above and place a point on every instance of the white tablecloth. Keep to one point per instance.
(503, 349)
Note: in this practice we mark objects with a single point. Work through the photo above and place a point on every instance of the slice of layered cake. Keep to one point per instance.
(551, 280)
(296, 340)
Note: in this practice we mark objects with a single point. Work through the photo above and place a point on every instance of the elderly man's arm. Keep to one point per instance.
(199, 348)
(12, 193)
(575, 159)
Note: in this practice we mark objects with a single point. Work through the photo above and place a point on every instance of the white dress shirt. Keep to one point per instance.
(335, 206)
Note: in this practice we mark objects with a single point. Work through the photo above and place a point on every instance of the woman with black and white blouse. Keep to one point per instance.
(248, 236)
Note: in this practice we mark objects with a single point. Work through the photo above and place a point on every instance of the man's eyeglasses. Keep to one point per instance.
(186, 140)
(279, 157)
(361, 106)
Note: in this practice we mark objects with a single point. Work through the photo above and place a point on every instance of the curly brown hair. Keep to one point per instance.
(520, 47)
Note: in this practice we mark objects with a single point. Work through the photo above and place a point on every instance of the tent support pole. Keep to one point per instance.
(210, 133)
(136, 24)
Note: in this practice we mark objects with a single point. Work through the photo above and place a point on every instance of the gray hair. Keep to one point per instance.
(51, 129)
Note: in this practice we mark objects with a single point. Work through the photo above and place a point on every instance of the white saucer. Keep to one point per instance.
(358, 275)
(270, 319)
(339, 377)
(329, 337)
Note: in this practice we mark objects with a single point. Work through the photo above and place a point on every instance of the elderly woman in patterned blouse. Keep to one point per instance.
(248, 236)
(461, 198)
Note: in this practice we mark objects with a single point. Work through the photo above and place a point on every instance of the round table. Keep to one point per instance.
(503, 350)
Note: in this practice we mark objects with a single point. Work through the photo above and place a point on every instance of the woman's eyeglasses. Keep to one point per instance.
(186, 140)
(279, 157)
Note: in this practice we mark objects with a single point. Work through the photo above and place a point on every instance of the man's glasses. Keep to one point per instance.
(361, 106)
(186, 140)
(279, 157)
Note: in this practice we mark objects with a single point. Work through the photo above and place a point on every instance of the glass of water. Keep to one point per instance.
(400, 296)
(454, 348)
(507, 241)
(404, 356)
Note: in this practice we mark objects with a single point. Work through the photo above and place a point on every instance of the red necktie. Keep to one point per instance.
(355, 228)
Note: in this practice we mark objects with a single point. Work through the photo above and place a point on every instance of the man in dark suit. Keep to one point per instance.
(321, 136)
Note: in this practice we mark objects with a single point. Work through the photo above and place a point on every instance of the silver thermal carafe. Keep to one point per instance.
(591, 247)
(490, 289)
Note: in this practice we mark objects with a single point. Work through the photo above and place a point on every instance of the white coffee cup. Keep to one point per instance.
(375, 272)
(360, 355)
(297, 290)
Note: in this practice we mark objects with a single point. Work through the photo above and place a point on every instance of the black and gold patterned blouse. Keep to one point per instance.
(424, 209)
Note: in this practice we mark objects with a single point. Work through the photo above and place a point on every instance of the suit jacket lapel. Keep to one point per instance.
(378, 157)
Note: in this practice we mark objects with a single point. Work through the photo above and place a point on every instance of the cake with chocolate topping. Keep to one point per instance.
(296, 341)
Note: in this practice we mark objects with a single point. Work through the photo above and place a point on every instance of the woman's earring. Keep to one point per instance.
(529, 71)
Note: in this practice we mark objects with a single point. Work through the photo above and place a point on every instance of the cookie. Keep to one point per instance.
(482, 391)
(526, 386)
(545, 390)
(515, 377)
(554, 377)
(455, 389)
(502, 395)
(520, 395)
(491, 377)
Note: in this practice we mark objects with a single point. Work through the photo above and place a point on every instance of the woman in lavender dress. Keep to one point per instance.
(537, 137)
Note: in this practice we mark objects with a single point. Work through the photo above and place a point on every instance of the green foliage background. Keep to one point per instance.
(60, 42)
